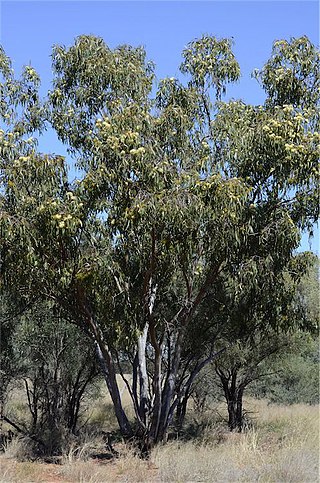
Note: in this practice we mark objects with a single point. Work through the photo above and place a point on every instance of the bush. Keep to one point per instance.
(292, 379)
(57, 369)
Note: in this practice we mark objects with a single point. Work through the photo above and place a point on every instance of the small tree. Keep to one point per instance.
(242, 365)
(57, 367)
(259, 314)
(263, 329)
(8, 367)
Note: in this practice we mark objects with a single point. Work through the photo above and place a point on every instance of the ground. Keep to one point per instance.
(282, 446)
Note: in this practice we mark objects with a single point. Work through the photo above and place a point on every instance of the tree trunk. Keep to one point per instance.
(143, 376)
(239, 413)
(235, 421)
(232, 412)
(169, 389)
(181, 411)
(109, 374)
(233, 395)
(106, 363)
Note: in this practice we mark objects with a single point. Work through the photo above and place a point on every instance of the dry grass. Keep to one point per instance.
(127, 468)
(283, 447)
(14, 472)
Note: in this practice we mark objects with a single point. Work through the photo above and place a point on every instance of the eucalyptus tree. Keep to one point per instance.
(177, 192)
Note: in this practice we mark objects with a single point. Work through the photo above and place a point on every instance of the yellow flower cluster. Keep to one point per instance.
(136, 152)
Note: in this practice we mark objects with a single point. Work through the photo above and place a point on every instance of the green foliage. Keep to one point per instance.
(8, 367)
(308, 294)
(56, 366)
(293, 378)
(291, 76)
(210, 63)
(262, 326)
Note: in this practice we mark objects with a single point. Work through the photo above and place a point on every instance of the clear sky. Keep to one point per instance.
(29, 29)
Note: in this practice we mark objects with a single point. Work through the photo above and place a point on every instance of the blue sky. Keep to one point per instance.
(29, 29)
